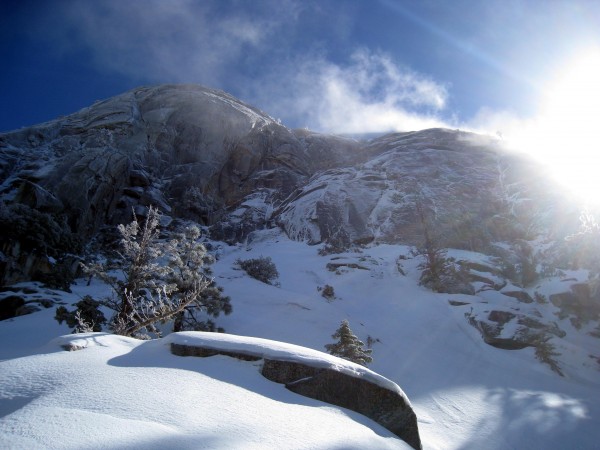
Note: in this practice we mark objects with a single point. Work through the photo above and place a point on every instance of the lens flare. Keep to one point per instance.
(565, 134)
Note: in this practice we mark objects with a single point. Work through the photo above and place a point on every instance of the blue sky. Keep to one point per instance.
(336, 66)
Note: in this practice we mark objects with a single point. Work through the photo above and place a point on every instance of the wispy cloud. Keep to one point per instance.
(370, 93)
(159, 41)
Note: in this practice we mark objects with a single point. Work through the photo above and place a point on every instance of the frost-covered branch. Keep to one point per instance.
(161, 281)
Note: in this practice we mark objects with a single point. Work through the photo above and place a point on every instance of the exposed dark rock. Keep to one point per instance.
(582, 302)
(455, 283)
(501, 317)
(72, 347)
(529, 332)
(522, 296)
(490, 333)
(507, 343)
(479, 267)
(563, 299)
(202, 352)
(287, 372)
(138, 178)
(474, 278)
(457, 303)
(332, 267)
(28, 308)
(10, 305)
(379, 404)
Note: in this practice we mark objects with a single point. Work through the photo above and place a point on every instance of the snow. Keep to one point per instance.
(123, 393)
(120, 392)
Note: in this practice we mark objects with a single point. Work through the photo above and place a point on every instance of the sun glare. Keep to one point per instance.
(565, 134)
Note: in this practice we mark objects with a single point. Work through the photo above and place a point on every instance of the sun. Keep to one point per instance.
(565, 134)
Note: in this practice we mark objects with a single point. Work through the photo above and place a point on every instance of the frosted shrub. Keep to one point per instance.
(262, 269)
(327, 292)
(546, 353)
(87, 316)
(540, 298)
(161, 281)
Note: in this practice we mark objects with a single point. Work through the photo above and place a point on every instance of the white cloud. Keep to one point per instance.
(371, 93)
(499, 122)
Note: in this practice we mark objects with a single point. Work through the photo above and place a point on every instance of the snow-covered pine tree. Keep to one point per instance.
(189, 262)
(160, 281)
(349, 346)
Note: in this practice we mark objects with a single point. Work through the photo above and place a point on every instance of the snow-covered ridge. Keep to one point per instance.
(246, 345)
(267, 348)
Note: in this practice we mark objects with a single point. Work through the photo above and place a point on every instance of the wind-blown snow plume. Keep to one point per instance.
(369, 93)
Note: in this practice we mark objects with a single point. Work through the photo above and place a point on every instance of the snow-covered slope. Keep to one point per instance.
(467, 394)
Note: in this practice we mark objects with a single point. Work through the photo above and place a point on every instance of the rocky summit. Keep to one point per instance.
(193, 152)
(201, 154)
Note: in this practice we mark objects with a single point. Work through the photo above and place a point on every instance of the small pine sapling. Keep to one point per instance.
(349, 346)
(436, 264)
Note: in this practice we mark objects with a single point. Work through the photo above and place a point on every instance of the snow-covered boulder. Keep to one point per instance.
(313, 374)
(119, 392)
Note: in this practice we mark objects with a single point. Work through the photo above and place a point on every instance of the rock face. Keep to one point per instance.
(200, 154)
(18, 301)
(525, 331)
(382, 405)
(194, 152)
(471, 193)
(187, 149)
